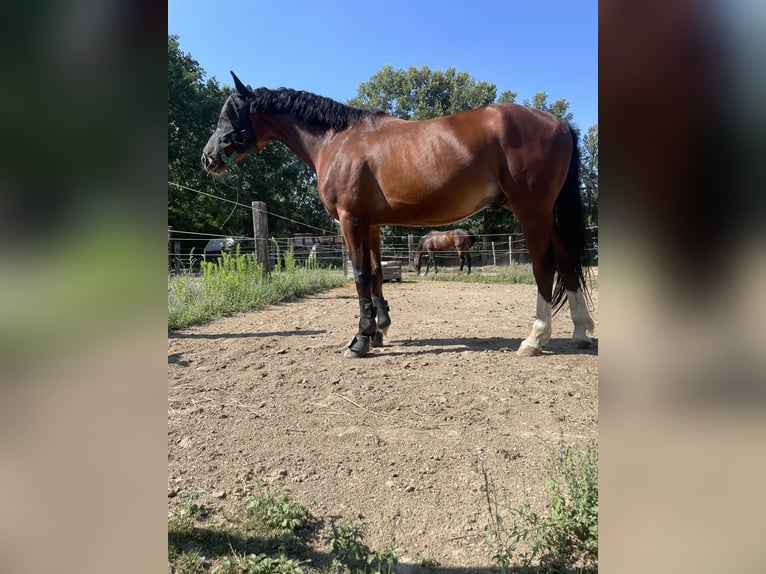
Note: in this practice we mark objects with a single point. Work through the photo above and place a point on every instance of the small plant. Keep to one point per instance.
(271, 512)
(428, 564)
(182, 521)
(349, 550)
(190, 563)
(261, 538)
(566, 539)
(259, 564)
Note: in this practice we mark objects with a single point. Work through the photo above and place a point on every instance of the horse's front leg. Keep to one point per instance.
(356, 233)
(468, 260)
(379, 303)
(461, 255)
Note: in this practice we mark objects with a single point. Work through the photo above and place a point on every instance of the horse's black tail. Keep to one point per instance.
(570, 223)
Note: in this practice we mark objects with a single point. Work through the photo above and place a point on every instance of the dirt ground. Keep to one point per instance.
(397, 440)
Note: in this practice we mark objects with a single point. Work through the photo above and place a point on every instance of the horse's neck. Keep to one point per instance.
(303, 139)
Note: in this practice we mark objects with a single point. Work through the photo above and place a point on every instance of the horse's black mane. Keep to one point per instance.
(309, 107)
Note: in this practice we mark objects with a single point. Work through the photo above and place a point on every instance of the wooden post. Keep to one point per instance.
(510, 250)
(344, 254)
(261, 235)
(170, 255)
(494, 257)
(410, 252)
(177, 258)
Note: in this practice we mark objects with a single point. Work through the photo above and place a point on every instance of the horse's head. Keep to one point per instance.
(416, 261)
(233, 137)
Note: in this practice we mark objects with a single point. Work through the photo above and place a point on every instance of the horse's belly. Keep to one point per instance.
(440, 206)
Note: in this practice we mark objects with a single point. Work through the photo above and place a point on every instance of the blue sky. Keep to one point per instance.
(330, 47)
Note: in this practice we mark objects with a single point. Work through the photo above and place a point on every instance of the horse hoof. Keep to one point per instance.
(529, 351)
(377, 339)
(358, 347)
(580, 344)
(349, 354)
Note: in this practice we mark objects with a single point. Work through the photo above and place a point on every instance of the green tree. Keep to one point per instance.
(507, 97)
(420, 93)
(275, 176)
(191, 115)
(559, 108)
(589, 174)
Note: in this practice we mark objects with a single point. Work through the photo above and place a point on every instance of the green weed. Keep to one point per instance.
(189, 563)
(269, 512)
(258, 564)
(263, 537)
(237, 283)
(349, 551)
(182, 522)
(566, 538)
(427, 564)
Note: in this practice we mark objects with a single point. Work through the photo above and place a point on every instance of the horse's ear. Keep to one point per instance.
(241, 89)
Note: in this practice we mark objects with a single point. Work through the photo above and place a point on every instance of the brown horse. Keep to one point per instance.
(458, 240)
(374, 169)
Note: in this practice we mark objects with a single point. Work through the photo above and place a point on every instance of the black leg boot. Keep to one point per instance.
(359, 346)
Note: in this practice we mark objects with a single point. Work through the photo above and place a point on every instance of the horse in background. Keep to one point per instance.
(458, 240)
(374, 169)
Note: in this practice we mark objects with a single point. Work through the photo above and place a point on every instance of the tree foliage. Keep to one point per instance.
(275, 176)
(421, 94)
(589, 174)
(559, 108)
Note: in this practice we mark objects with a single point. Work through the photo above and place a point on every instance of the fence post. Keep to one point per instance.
(410, 256)
(170, 255)
(510, 250)
(177, 256)
(261, 235)
(494, 257)
(344, 254)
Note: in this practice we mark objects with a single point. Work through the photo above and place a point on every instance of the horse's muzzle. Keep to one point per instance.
(212, 164)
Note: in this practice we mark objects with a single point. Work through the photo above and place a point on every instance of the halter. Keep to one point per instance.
(240, 139)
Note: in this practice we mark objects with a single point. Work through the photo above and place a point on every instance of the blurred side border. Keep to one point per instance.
(682, 395)
(83, 174)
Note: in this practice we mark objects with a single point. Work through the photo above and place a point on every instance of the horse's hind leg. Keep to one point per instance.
(461, 255)
(468, 260)
(568, 267)
(538, 237)
(382, 317)
(583, 322)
